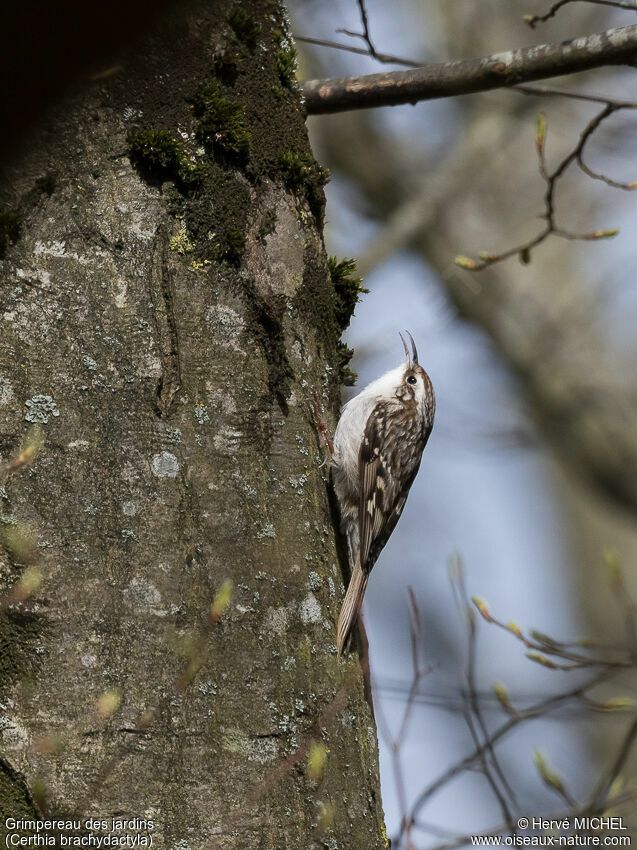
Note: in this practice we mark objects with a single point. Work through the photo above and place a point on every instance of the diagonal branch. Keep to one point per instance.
(466, 76)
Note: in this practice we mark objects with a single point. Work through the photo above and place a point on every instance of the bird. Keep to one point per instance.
(378, 446)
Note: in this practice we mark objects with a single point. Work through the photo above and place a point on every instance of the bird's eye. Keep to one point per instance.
(411, 380)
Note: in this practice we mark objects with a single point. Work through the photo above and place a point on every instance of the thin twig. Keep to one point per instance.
(606, 781)
(533, 20)
(523, 250)
(537, 710)
(395, 743)
(474, 706)
(365, 35)
(628, 796)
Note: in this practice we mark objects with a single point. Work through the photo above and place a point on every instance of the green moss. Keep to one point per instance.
(306, 177)
(343, 356)
(221, 124)
(347, 289)
(232, 244)
(244, 26)
(10, 225)
(286, 58)
(157, 154)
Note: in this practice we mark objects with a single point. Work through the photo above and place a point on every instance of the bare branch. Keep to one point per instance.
(551, 179)
(628, 796)
(538, 710)
(537, 91)
(466, 76)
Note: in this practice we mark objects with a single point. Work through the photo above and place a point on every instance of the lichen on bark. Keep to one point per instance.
(172, 300)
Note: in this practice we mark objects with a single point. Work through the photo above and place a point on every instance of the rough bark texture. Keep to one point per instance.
(167, 313)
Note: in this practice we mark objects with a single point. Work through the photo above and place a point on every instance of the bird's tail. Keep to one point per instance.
(351, 607)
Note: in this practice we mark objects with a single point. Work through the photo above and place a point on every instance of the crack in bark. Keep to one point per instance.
(163, 296)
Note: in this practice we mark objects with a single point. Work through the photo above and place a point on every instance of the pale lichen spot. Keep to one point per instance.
(89, 660)
(52, 249)
(201, 414)
(6, 391)
(267, 530)
(143, 596)
(120, 294)
(149, 366)
(594, 43)
(129, 508)
(165, 465)
(505, 58)
(236, 741)
(226, 325)
(40, 409)
(276, 620)
(219, 400)
(315, 580)
(227, 440)
(14, 736)
(310, 609)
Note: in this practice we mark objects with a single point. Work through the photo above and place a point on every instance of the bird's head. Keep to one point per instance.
(415, 383)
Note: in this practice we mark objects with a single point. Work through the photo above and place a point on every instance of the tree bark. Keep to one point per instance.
(167, 316)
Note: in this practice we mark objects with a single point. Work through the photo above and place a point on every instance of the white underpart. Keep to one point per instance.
(354, 415)
(351, 426)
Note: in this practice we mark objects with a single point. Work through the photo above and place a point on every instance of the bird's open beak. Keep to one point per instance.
(413, 348)
(402, 339)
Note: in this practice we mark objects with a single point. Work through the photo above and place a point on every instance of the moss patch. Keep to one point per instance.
(158, 156)
(240, 134)
(244, 26)
(347, 289)
(221, 125)
(306, 177)
(286, 58)
(232, 244)
(330, 300)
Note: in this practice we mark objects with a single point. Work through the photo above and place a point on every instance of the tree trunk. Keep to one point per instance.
(167, 317)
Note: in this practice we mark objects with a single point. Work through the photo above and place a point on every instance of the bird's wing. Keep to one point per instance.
(380, 504)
